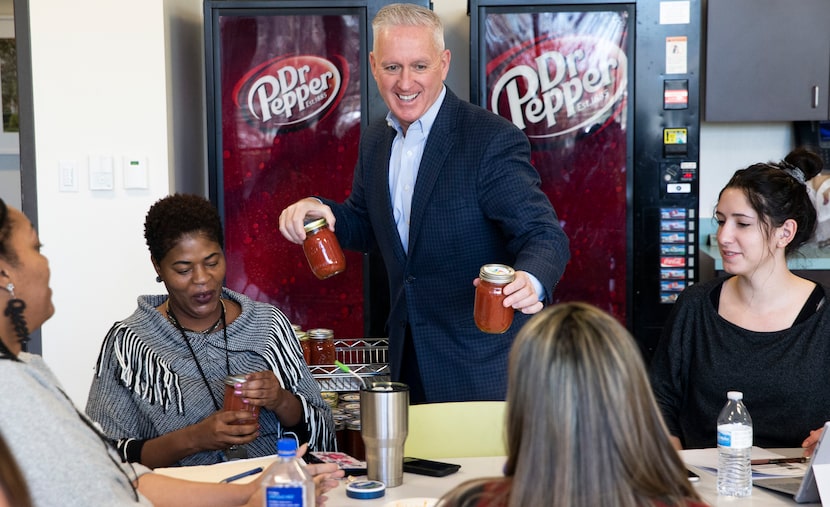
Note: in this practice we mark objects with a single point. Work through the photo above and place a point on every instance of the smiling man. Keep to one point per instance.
(441, 188)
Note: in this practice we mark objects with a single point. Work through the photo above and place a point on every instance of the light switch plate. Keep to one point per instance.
(101, 176)
(67, 176)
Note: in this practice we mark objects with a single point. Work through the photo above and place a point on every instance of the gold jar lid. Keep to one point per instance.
(315, 224)
(320, 333)
(497, 273)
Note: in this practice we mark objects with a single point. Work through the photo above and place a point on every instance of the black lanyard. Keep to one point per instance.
(175, 322)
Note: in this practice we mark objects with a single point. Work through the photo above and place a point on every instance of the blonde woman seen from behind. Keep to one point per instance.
(583, 429)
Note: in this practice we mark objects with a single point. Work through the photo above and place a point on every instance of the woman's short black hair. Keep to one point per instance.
(177, 215)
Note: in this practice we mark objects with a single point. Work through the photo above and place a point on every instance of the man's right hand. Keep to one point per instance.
(293, 218)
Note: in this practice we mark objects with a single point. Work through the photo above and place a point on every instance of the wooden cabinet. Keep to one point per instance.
(767, 60)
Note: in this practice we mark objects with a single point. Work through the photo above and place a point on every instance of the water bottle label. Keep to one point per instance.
(736, 436)
(284, 496)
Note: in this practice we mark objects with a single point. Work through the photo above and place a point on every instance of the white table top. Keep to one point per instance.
(707, 487)
(419, 486)
(414, 486)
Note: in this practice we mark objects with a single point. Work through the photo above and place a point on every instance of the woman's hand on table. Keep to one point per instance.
(809, 443)
(325, 476)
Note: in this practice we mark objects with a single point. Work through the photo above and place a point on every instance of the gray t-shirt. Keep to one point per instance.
(64, 460)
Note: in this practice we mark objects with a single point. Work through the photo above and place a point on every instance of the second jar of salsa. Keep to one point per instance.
(325, 257)
(490, 314)
(323, 350)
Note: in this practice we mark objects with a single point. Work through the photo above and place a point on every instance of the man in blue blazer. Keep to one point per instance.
(442, 187)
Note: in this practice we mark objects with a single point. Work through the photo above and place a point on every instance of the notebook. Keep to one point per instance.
(803, 490)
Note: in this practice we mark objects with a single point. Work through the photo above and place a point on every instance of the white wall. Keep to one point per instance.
(111, 78)
(726, 147)
(100, 88)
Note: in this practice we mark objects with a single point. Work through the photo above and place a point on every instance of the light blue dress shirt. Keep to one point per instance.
(407, 151)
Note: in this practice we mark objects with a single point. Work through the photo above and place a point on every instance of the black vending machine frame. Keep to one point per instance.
(662, 176)
(372, 107)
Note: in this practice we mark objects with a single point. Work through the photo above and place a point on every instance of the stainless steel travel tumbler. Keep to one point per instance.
(384, 425)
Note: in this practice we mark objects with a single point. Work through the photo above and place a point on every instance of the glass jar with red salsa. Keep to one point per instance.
(490, 314)
(323, 350)
(322, 250)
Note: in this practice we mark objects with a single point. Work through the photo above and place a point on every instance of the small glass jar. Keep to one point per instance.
(235, 402)
(322, 346)
(305, 345)
(325, 257)
(490, 314)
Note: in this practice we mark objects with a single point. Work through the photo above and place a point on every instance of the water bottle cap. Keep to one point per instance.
(735, 395)
(286, 447)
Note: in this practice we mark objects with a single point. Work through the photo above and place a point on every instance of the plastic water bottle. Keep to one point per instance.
(287, 483)
(734, 448)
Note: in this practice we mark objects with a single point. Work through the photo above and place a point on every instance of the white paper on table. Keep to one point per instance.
(218, 471)
(822, 476)
(707, 459)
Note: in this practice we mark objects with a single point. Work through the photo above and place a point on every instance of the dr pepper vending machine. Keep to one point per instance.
(289, 90)
(608, 95)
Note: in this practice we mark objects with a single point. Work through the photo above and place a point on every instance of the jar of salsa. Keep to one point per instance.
(490, 314)
(235, 402)
(305, 345)
(322, 346)
(325, 257)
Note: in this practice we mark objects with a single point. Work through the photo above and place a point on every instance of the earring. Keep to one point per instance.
(14, 310)
(158, 279)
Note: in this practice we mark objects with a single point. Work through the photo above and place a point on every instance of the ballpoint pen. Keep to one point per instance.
(243, 474)
(776, 461)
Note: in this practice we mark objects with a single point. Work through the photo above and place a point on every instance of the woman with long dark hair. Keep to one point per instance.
(761, 328)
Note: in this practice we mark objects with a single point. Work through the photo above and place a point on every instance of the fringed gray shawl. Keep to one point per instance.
(147, 383)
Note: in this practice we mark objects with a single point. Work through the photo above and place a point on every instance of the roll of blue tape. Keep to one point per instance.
(365, 490)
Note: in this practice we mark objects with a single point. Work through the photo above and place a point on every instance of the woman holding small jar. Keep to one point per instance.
(160, 384)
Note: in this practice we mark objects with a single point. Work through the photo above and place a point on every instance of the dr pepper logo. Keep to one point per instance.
(291, 90)
(551, 87)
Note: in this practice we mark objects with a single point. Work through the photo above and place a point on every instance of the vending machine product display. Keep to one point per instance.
(618, 161)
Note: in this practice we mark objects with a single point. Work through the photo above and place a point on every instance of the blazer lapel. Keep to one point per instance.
(381, 186)
(439, 143)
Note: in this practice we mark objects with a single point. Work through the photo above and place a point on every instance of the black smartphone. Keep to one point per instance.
(693, 477)
(428, 467)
